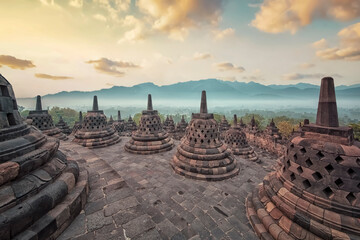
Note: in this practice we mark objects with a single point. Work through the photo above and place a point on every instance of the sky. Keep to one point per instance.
(48, 46)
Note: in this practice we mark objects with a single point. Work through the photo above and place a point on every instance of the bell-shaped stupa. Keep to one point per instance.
(78, 124)
(39, 189)
(150, 137)
(63, 126)
(235, 138)
(42, 120)
(315, 193)
(201, 154)
(95, 132)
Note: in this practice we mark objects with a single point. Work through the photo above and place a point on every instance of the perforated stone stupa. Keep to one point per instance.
(130, 126)
(315, 193)
(78, 125)
(235, 138)
(170, 128)
(41, 190)
(201, 154)
(42, 120)
(150, 137)
(62, 125)
(180, 128)
(95, 132)
(223, 126)
(119, 125)
(272, 130)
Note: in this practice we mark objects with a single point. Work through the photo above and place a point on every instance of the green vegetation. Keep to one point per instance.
(356, 128)
(70, 116)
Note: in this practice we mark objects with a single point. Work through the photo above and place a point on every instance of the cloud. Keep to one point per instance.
(76, 3)
(220, 34)
(15, 63)
(277, 16)
(202, 56)
(51, 77)
(226, 66)
(322, 43)
(99, 17)
(138, 31)
(349, 47)
(300, 76)
(113, 7)
(306, 65)
(111, 67)
(175, 18)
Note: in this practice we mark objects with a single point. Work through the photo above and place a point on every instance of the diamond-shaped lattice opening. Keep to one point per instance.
(303, 150)
(328, 192)
(288, 163)
(358, 185)
(320, 155)
(300, 170)
(292, 177)
(351, 172)
(292, 145)
(295, 157)
(339, 159)
(358, 161)
(317, 176)
(351, 198)
(329, 168)
(308, 162)
(339, 182)
(306, 183)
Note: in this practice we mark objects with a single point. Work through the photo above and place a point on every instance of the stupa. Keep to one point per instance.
(235, 138)
(223, 126)
(111, 121)
(166, 122)
(119, 125)
(42, 120)
(315, 193)
(170, 128)
(201, 154)
(77, 125)
(252, 126)
(180, 128)
(62, 125)
(272, 130)
(95, 132)
(150, 137)
(242, 124)
(130, 126)
(39, 187)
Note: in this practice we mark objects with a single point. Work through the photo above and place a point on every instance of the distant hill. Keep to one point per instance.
(185, 92)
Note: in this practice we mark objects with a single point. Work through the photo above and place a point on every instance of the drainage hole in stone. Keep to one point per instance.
(180, 192)
(157, 202)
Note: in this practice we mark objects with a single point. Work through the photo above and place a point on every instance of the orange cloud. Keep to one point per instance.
(177, 17)
(306, 65)
(349, 47)
(15, 63)
(51, 77)
(226, 66)
(220, 34)
(111, 67)
(277, 16)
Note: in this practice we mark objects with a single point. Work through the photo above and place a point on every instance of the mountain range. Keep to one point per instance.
(189, 91)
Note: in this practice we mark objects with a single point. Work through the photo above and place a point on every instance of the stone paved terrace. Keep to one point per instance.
(140, 197)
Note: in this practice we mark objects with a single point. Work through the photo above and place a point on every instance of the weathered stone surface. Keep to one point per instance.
(95, 131)
(39, 186)
(42, 120)
(201, 154)
(150, 137)
(235, 138)
(314, 193)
